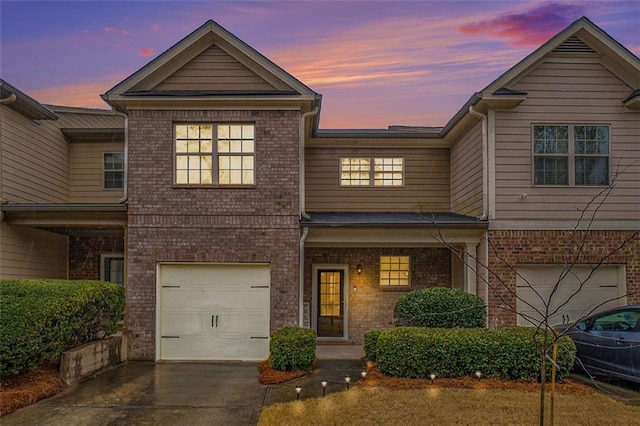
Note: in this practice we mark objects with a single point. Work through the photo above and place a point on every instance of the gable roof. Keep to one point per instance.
(581, 37)
(151, 80)
(24, 104)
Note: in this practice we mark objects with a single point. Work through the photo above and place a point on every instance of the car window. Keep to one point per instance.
(619, 321)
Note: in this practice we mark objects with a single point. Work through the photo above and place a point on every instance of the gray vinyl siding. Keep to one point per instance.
(31, 253)
(466, 173)
(35, 160)
(86, 180)
(426, 181)
(567, 92)
(214, 69)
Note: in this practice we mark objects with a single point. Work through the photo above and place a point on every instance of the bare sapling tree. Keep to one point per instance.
(541, 311)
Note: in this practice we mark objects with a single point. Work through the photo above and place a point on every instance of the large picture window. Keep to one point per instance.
(208, 154)
(571, 155)
(371, 171)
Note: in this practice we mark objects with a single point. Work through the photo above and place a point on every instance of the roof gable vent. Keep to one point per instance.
(574, 45)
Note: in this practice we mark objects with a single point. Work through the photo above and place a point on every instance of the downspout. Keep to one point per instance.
(485, 162)
(303, 213)
(125, 194)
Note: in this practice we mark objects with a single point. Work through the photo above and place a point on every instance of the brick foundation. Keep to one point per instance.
(370, 306)
(507, 249)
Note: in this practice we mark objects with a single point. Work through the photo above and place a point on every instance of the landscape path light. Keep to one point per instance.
(298, 390)
(478, 375)
(363, 373)
(347, 380)
(324, 386)
(432, 376)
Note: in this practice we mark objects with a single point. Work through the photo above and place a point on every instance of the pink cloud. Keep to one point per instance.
(86, 94)
(155, 27)
(113, 30)
(530, 28)
(145, 51)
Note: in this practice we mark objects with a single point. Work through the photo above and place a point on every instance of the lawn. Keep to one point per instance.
(446, 406)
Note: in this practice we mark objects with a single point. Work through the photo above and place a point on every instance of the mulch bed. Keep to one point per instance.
(30, 387)
(269, 376)
(376, 379)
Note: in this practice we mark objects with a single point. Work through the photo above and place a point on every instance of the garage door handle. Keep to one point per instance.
(214, 321)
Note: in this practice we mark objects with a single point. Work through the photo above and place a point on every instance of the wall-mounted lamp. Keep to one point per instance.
(359, 268)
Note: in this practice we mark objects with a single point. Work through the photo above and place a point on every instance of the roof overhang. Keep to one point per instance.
(434, 220)
(89, 135)
(24, 104)
(64, 215)
(633, 101)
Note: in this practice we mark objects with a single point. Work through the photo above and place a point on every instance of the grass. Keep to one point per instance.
(436, 405)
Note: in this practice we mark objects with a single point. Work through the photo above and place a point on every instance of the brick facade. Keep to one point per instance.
(85, 248)
(507, 249)
(370, 306)
(217, 224)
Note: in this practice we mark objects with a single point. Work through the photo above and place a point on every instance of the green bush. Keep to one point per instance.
(292, 349)
(40, 319)
(508, 353)
(440, 307)
(370, 344)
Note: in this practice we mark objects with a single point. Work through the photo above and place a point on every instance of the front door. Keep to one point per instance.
(330, 303)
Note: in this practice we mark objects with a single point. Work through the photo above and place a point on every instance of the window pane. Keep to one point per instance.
(205, 132)
(247, 146)
(206, 146)
(247, 132)
(591, 139)
(193, 132)
(235, 146)
(388, 171)
(551, 171)
(235, 177)
(235, 132)
(223, 146)
(394, 270)
(551, 139)
(182, 176)
(181, 146)
(193, 146)
(592, 171)
(181, 132)
(354, 171)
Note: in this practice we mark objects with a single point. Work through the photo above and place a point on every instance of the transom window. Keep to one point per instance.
(358, 171)
(220, 154)
(113, 170)
(394, 271)
(571, 155)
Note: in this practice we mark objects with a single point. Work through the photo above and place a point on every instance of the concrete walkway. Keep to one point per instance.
(183, 393)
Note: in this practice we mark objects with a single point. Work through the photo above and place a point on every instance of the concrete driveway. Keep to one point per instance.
(190, 394)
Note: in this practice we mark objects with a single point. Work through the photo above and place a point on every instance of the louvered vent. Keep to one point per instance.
(574, 45)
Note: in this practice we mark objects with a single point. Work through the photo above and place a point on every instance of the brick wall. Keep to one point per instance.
(507, 249)
(85, 248)
(370, 306)
(252, 224)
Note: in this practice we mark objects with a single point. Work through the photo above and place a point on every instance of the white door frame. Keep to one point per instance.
(314, 297)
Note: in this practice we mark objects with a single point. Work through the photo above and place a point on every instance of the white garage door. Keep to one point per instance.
(213, 311)
(596, 294)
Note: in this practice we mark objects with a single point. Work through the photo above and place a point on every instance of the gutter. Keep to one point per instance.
(485, 162)
(62, 207)
(9, 99)
(125, 183)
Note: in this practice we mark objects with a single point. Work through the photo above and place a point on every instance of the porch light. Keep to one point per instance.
(298, 390)
(363, 373)
(432, 376)
(359, 268)
(478, 375)
(324, 386)
(347, 380)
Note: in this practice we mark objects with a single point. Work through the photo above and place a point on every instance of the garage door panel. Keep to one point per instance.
(580, 292)
(218, 311)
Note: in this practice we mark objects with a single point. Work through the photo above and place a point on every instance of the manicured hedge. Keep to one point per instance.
(40, 319)
(370, 344)
(292, 349)
(440, 307)
(508, 353)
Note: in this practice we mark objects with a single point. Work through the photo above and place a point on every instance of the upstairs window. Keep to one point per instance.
(570, 155)
(113, 170)
(394, 271)
(207, 154)
(371, 171)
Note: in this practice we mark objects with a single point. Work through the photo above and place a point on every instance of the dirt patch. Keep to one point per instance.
(28, 388)
(269, 376)
(376, 379)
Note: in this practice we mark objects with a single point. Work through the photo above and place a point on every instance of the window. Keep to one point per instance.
(112, 267)
(394, 271)
(220, 154)
(357, 171)
(113, 170)
(571, 155)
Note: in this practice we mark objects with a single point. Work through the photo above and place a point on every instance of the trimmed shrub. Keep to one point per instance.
(508, 353)
(40, 319)
(440, 307)
(292, 349)
(370, 344)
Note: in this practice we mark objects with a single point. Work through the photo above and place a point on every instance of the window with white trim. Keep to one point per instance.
(113, 170)
(371, 171)
(394, 271)
(571, 155)
(214, 154)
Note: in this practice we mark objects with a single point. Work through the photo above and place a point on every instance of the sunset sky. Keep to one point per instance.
(376, 63)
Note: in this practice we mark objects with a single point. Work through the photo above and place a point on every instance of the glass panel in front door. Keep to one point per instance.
(330, 303)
